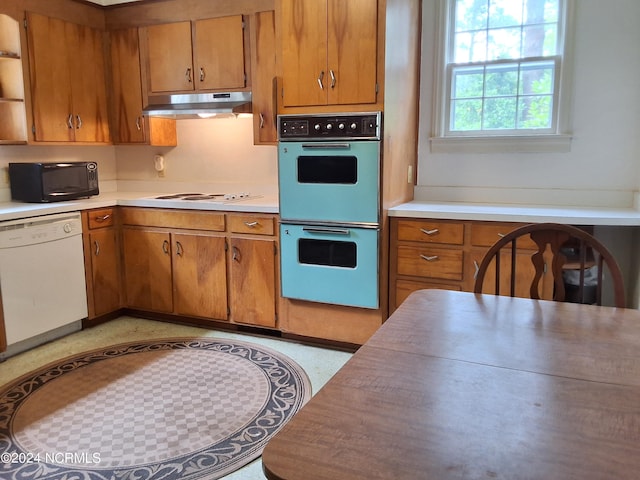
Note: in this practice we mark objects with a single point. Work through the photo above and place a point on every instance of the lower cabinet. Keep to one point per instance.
(446, 254)
(102, 261)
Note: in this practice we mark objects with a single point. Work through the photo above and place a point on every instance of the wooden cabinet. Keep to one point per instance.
(253, 270)
(102, 261)
(174, 262)
(129, 125)
(329, 52)
(13, 126)
(200, 55)
(67, 72)
(263, 81)
(428, 253)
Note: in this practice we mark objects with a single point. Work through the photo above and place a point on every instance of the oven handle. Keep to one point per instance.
(326, 145)
(327, 230)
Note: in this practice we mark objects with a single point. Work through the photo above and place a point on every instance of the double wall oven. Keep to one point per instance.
(329, 186)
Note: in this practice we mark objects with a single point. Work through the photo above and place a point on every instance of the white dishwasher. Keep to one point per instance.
(42, 279)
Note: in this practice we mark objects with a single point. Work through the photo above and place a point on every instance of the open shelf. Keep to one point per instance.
(13, 121)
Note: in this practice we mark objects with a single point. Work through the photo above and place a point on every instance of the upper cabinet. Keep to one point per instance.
(12, 109)
(67, 70)
(129, 124)
(329, 52)
(200, 55)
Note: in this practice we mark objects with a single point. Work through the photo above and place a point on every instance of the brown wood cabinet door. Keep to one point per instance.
(252, 281)
(219, 53)
(50, 79)
(199, 275)
(352, 51)
(105, 270)
(170, 57)
(304, 52)
(147, 269)
(88, 89)
(263, 72)
(127, 89)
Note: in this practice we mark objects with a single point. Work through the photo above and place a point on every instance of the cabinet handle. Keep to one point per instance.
(138, 124)
(320, 79)
(202, 74)
(501, 235)
(188, 74)
(102, 218)
(430, 232)
(70, 121)
(179, 249)
(333, 78)
(236, 257)
(477, 268)
(252, 224)
(165, 247)
(97, 247)
(429, 258)
(261, 121)
(78, 121)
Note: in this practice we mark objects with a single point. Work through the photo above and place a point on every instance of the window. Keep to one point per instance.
(502, 67)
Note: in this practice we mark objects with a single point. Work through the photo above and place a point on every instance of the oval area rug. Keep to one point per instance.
(187, 408)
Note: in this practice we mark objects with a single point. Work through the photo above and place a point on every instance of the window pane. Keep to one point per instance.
(468, 83)
(505, 13)
(499, 113)
(536, 78)
(471, 15)
(501, 80)
(535, 111)
(466, 115)
(540, 11)
(504, 43)
(470, 47)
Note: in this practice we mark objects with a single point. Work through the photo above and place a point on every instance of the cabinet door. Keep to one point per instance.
(147, 269)
(263, 73)
(170, 62)
(50, 79)
(304, 52)
(127, 89)
(252, 281)
(104, 270)
(200, 286)
(219, 53)
(352, 51)
(88, 89)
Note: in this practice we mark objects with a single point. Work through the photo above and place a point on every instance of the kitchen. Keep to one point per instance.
(222, 151)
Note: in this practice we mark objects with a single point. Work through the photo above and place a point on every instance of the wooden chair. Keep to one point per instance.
(591, 252)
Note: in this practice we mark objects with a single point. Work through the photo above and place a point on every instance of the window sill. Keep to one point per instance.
(502, 144)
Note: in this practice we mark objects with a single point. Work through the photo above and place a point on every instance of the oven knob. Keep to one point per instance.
(354, 125)
(329, 126)
(341, 126)
(317, 127)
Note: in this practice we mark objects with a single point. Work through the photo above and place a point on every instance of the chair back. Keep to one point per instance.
(554, 242)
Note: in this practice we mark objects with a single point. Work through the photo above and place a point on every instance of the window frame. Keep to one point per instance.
(554, 139)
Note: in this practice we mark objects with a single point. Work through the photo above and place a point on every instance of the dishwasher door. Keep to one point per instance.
(42, 277)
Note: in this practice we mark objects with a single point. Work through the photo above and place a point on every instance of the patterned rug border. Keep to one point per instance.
(289, 392)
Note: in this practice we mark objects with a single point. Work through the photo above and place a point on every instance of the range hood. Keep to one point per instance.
(198, 105)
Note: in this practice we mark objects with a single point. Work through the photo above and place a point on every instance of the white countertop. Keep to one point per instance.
(16, 210)
(518, 213)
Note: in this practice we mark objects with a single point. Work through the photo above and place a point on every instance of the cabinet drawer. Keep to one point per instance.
(485, 235)
(255, 224)
(404, 288)
(100, 218)
(430, 262)
(176, 219)
(431, 232)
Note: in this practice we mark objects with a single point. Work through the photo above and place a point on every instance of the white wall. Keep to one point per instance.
(209, 152)
(603, 166)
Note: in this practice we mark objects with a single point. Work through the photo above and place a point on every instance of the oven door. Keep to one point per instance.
(336, 265)
(329, 182)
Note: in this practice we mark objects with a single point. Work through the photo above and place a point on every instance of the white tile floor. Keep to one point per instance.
(319, 363)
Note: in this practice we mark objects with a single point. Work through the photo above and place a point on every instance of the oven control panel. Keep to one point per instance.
(321, 127)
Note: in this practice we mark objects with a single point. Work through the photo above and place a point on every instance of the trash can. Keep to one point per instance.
(571, 279)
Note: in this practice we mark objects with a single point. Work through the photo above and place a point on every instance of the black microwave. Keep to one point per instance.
(53, 182)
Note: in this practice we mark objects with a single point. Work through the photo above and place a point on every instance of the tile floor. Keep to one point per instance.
(319, 363)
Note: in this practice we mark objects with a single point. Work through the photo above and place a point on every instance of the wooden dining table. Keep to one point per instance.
(456, 385)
